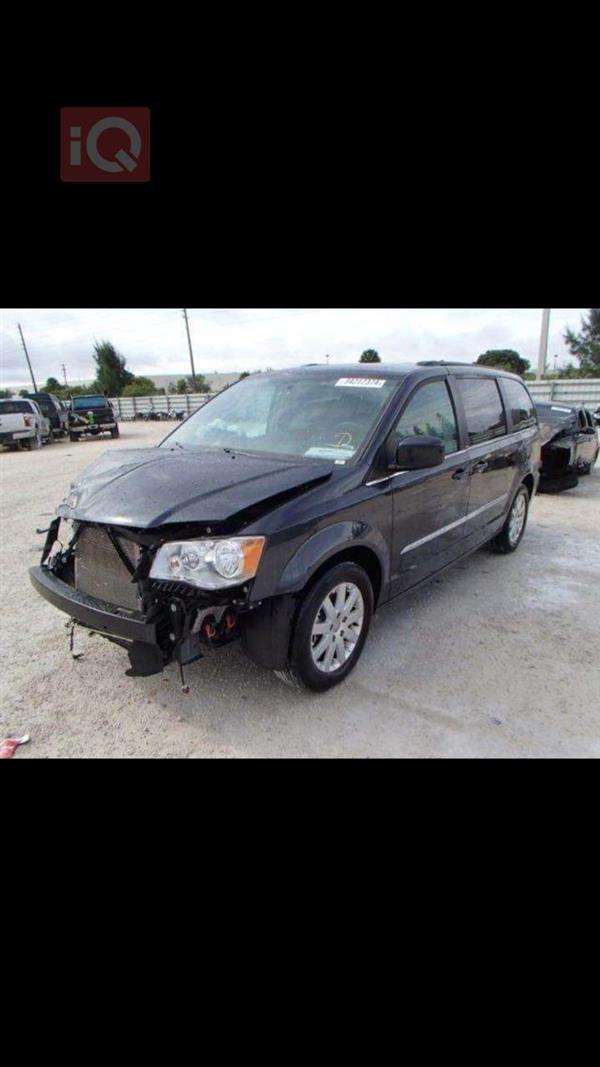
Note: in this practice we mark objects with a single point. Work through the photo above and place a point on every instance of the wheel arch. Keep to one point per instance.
(340, 542)
(364, 557)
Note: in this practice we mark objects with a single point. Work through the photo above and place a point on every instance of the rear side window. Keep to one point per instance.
(484, 409)
(430, 412)
(520, 404)
(15, 407)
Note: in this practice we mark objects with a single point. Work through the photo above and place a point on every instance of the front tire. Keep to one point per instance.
(115, 433)
(511, 535)
(35, 442)
(331, 629)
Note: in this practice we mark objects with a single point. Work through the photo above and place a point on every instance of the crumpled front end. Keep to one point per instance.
(558, 471)
(100, 577)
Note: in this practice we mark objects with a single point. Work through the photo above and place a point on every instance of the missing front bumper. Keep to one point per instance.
(179, 631)
(90, 612)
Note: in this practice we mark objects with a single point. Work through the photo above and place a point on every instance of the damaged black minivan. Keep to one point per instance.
(290, 507)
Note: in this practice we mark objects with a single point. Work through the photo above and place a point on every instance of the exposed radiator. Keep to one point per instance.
(100, 572)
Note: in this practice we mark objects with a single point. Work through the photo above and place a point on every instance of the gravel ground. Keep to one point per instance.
(496, 658)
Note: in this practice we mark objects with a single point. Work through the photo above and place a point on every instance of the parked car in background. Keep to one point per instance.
(22, 423)
(288, 508)
(570, 445)
(54, 410)
(91, 416)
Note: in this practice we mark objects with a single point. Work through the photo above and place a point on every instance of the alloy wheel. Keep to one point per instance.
(337, 627)
(517, 519)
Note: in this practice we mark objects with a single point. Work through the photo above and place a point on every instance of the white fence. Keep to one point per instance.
(572, 391)
(127, 407)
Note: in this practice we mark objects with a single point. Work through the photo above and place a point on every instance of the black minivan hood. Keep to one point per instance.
(153, 487)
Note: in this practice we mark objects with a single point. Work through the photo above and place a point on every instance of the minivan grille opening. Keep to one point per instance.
(101, 573)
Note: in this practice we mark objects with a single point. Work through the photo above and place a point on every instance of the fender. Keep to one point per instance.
(327, 543)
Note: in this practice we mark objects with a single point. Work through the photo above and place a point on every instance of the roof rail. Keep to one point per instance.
(443, 363)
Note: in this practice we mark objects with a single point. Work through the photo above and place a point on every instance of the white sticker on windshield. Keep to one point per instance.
(326, 452)
(362, 383)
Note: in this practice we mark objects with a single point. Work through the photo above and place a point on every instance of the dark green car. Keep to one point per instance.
(91, 416)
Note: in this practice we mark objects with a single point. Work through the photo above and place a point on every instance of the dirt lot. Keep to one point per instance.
(497, 658)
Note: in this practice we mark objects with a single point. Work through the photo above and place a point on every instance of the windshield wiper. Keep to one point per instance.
(237, 452)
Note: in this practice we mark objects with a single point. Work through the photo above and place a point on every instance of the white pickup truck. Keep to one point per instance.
(22, 423)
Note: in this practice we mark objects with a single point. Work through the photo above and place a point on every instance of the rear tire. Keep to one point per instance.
(335, 615)
(35, 442)
(73, 437)
(511, 534)
(115, 433)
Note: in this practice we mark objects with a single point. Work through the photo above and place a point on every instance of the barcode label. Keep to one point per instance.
(361, 383)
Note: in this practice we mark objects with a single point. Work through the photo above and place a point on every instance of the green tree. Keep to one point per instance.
(244, 374)
(81, 390)
(182, 386)
(52, 386)
(5, 394)
(505, 359)
(370, 356)
(140, 387)
(201, 385)
(23, 392)
(570, 371)
(585, 345)
(111, 373)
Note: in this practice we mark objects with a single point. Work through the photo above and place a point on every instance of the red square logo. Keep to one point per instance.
(105, 144)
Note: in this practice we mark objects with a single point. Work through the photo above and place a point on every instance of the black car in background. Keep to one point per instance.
(570, 445)
(54, 410)
(91, 416)
(288, 508)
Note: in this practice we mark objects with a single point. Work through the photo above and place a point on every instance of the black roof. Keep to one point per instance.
(391, 371)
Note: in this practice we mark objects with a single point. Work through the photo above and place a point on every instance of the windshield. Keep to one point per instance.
(87, 403)
(316, 417)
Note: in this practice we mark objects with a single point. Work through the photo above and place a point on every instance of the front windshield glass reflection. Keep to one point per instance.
(300, 416)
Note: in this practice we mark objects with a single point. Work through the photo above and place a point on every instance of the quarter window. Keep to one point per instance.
(519, 403)
(484, 409)
(430, 412)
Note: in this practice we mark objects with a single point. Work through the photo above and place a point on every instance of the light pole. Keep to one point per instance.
(543, 355)
(35, 388)
(187, 326)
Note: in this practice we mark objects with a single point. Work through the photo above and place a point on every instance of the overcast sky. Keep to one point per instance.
(153, 340)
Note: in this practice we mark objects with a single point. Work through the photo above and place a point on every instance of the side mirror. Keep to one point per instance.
(418, 453)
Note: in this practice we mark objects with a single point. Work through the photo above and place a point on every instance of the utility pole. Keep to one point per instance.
(64, 370)
(543, 356)
(35, 388)
(187, 326)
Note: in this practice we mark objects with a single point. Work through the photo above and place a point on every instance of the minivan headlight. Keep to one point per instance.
(209, 564)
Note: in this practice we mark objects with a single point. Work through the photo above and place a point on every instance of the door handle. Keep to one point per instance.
(480, 468)
(460, 473)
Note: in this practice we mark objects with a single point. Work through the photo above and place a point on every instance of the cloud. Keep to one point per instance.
(154, 341)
